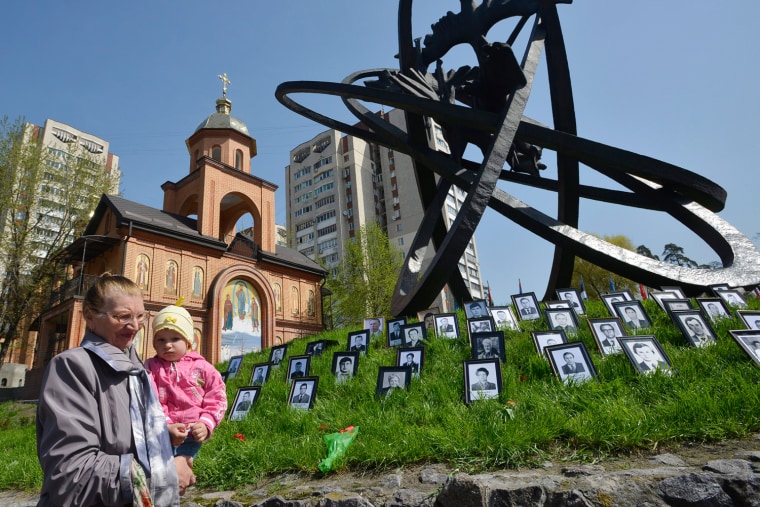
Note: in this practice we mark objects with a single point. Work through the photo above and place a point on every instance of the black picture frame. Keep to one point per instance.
(414, 334)
(719, 286)
(543, 339)
(676, 305)
(427, 316)
(233, 367)
(294, 372)
(260, 374)
(417, 361)
(244, 400)
(674, 289)
(574, 296)
(526, 306)
(714, 308)
(751, 318)
(614, 297)
(375, 326)
(646, 363)
(447, 326)
(692, 323)
(558, 304)
(733, 298)
(503, 317)
(749, 341)
(315, 348)
(480, 325)
(339, 361)
(482, 379)
(476, 309)
(489, 345)
(277, 354)
(573, 355)
(385, 380)
(393, 335)
(639, 319)
(296, 398)
(563, 319)
(660, 296)
(608, 343)
(358, 341)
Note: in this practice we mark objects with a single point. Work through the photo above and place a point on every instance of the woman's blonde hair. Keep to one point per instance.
(109, 285)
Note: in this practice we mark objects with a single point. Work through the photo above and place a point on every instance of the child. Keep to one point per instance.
(191, 391)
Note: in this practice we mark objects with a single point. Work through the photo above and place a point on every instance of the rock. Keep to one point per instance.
(695, 490)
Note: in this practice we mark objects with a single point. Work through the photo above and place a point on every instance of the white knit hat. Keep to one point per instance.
(176, 318)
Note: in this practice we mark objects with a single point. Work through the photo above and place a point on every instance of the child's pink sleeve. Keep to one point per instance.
(215, 400)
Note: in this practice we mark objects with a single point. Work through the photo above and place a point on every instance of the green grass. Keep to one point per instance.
(713, 396)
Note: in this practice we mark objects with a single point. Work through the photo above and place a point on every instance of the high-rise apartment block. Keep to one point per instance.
(336, 183)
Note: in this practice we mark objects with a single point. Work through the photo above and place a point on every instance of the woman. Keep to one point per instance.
(100, 429)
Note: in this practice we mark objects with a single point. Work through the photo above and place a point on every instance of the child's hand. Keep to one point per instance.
(177, 433)
(198, 430)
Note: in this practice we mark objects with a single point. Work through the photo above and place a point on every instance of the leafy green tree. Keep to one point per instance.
(646, 252)
(597, 279)
(46, 196)
(674, 254)
(365, 280)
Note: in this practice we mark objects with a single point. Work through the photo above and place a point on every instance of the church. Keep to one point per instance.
(244, 291)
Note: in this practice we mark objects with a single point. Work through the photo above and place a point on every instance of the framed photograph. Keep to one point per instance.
(543, 339)
(695, 327)
(488, 346)
(646, 355)
(719, 286)
(558, 304)
(428, 317)
(298, 366)
(358, 341)
(480, 325)
(714, 308)
(244, 400)
(260, 373)
(615, 297)
(315, 348)
(482, 379)
(674, 289)
(562, 319)
(414, 334)
(732, 297)
(633, 315)
(303, 392)
(374, 325)
(503, 317)
(574, 297)
(751, 318)
(412, 358)
(749, 341)
(607, 333)
(393, 333)
(234, 366)
(344, 366)
(660, 296)
(571, 362)
(390, 378)
(676, 305)
(476, 309)
(277, 354)
(526, 305)
(446, 325)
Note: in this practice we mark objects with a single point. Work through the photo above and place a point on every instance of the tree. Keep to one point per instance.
(46, 196)
(646, 252)
(597, 279)
(673, 254)
(366, 278)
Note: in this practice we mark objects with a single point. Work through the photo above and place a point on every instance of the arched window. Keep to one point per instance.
(216, 153)
(239, 160)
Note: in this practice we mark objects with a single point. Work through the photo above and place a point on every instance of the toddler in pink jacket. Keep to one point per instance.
(191, 391)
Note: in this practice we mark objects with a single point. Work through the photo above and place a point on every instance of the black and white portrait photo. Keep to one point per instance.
(482, 379)
(633, 315)
(695, 328)
(412, 358)
(733, 298)
(428, 317)
(749, 341)
(244, 400)
(480, 325)
(561, 319)
(277, 354)
(358, 341)
(302, 393)
(527, 306)
(391, 378)
(395, 338)
(374, 325)
(345, 366)
(606, 334)
(615, 297)
(714, 308)
(503, 317)
(234, 366)
(574, 298)
(751, 318)
(543, 339)
(571, 362)
(446, 325)
(646, 354)
(260, 373)
(476, 309)
(414, 334)
(298, 366)
(488, 346)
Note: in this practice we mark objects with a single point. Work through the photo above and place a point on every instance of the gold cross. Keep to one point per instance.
(225, 82)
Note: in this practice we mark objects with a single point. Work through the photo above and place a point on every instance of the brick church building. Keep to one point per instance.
(244, 291)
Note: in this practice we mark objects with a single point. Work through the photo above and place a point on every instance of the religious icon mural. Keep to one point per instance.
(241, 314)
(142, 268)
(295, 300)
(170, 281)
(197, 282)
(196, 340)
(310, 304)
(277, 297)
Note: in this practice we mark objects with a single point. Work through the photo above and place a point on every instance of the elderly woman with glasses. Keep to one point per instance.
(101, 434)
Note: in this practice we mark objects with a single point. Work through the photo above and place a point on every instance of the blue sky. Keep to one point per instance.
(676, 80)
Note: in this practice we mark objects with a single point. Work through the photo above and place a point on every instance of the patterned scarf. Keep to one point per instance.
(151, 437)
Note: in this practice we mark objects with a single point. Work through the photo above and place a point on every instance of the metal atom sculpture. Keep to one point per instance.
(483, 106)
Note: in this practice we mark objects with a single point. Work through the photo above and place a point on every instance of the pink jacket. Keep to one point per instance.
(189, 390)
